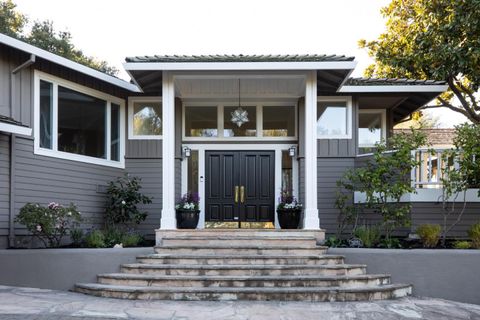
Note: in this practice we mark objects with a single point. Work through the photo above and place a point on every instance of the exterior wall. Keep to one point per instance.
(4, 189)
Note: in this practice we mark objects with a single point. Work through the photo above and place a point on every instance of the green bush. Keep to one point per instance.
(113, 236)
(49, 224)
(429, 234)
(333, 242)
(131, 240)
(95, 239)
(462, 245)
(370, 236)
(474, 234)
(76, 235)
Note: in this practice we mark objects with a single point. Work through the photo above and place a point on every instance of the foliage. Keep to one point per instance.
(189, 201)
(349, 212)
(287, 201)
(49, 224)
(385, 178)
(43, 35)
(95, 239)
(123, 196)
(390, 243)
(461, 245)
(427, 39)
(333, 242)
(429, 234)
(474, 234)
(76, 235)
(131, 239)
(458, 178)
(370, 235)
(420, 120)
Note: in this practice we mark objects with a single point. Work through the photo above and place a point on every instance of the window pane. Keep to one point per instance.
(193, 171)
(287, 179)
(369, 129)
(46, 99)
(147, 119)
(81, 123)
(247, 129)
(331, 119)
(115, 132)
(201, 122)
(279, 121)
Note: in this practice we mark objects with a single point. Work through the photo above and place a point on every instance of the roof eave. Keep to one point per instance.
(233, 66)
(22, 46)
(394, 89)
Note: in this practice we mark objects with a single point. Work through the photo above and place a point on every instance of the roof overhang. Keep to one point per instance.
(394, 89)
(22, 46)
(236, 66)
(14, 128)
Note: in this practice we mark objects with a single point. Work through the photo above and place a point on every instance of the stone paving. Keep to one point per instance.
(39, 304)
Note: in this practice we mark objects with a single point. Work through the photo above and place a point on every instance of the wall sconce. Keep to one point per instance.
(186, 152)
(292, 151)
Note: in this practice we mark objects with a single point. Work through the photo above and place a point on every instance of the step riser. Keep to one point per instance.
(250, 251)
(252, 296)
(242, 261)
(247, 272)
(305, 243)
(280, 283)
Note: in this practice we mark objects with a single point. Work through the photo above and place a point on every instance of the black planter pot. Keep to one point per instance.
(187, 219)
(289, 218)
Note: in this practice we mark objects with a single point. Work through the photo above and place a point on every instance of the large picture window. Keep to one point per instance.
(77, 123)
(334, 118)
(145, 118)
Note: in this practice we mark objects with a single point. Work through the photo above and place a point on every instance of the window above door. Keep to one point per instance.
(251, 121)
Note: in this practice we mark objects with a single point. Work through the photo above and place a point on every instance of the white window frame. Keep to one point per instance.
(383, 114)
(131, 101)
(348, 102)
(54, 152)
(259, 125)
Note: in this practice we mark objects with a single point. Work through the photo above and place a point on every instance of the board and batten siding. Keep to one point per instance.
(4, 188)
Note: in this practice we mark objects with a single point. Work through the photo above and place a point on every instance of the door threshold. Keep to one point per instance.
(239, 225)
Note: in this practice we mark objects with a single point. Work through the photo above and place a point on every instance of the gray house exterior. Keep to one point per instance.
(217, 125)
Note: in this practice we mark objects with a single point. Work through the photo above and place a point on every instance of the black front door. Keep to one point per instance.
(239, 186)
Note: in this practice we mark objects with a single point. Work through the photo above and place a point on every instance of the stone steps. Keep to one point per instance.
(240, 250)
(232, 293)
(243, 265)
(148, 280)
(240, 259)
(243, 270)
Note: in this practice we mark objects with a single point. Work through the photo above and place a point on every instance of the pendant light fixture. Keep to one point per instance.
(239, 116)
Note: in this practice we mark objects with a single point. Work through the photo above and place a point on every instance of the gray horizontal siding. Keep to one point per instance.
(137, 149)
(4, 185)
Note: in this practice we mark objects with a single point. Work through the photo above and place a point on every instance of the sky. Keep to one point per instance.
(114, 29)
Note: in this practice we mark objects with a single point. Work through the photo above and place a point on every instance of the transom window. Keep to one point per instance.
(334, 118)
(145, 118)
(371, 128)
(77, 123)
(251, 121)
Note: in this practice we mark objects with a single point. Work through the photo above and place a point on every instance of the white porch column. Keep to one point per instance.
(168, 220)
(311, 220)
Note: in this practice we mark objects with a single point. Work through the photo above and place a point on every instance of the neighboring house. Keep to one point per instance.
(209, 124)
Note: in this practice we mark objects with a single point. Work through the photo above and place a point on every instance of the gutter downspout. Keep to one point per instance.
(11, 221)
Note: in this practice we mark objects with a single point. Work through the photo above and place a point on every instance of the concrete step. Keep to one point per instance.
(240, 260)
(243, 270)
(274, 240)
(228, 293)
(226, 249)
(146, 280)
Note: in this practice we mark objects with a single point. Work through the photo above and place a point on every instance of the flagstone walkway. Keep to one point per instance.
(29, 303)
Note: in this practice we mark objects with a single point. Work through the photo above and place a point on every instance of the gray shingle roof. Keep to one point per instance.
(390, 82)
(241, 58)
(9, 120)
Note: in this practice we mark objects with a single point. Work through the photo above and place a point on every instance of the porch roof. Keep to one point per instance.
(240, 58)
(10, 125)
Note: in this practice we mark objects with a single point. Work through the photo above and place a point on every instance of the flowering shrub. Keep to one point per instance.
(49, 224)
(123, 198)
(288, 202)
(189, 201)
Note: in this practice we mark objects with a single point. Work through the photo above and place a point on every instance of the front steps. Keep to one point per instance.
(286, 265)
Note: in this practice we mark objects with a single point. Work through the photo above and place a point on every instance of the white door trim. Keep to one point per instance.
(201, 148)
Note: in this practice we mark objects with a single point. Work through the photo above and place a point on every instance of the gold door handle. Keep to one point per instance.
(236, 194)
(242, 194)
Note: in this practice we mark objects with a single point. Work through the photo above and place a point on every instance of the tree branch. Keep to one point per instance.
(469, 113)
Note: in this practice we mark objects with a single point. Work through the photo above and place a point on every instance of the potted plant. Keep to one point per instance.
(187, 211)
(289, 211)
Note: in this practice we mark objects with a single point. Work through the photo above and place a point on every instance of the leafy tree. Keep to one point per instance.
(427, 39)
(44, 36)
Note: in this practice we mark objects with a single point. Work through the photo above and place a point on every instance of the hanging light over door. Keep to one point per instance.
(239, 116)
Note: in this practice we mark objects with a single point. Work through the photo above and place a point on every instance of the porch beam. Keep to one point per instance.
(311, 219)
(168, 220)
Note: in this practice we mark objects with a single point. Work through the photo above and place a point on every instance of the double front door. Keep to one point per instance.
(239, 186)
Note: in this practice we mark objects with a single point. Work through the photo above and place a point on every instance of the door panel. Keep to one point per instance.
(252, 170)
